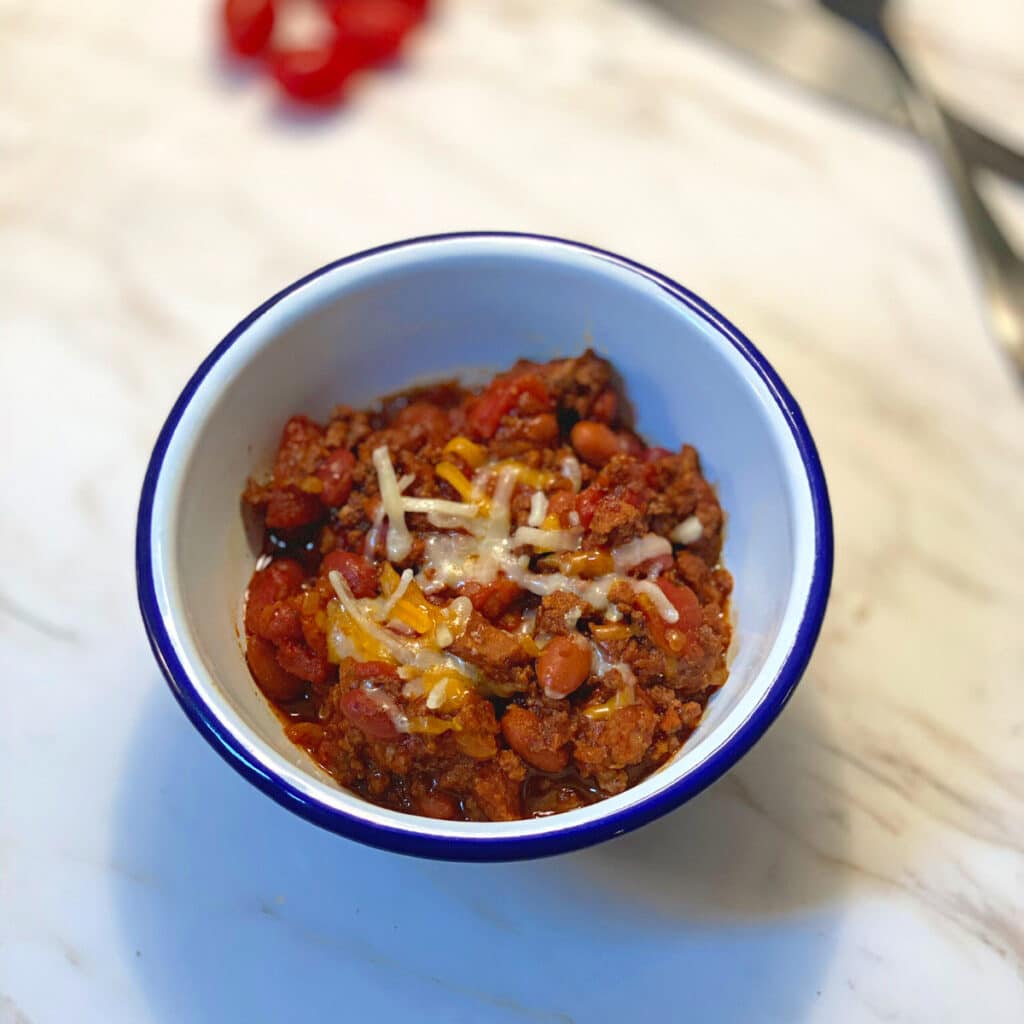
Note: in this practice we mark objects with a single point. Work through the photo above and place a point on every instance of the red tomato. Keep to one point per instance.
(248, 24)
(684, 600)
(318, 74)
(377, 27)
(586, 505)
(336, 473)
(359, 574)
(500, 398)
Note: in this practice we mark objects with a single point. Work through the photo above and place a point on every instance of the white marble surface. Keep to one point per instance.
(865, 862)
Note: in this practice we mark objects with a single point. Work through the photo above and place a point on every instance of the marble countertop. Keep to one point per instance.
(864, 862)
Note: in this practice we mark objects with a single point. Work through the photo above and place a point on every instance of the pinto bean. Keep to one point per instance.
(595, 442)
(524, 734)
(367, 711)
(279, 580)
(336, 473)
(290, 508)
(276, 682)
(302, 661)
(359, 574)
(563, 666)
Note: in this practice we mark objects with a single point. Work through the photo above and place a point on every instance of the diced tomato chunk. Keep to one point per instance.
(358, 573)
(684, 600)
(586, 505)
(500, 398)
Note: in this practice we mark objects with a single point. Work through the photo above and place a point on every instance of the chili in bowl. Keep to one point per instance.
(506, 610)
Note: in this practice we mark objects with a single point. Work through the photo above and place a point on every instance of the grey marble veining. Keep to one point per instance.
(865, 862)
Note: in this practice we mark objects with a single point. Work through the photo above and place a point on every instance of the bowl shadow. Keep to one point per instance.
(231, 908)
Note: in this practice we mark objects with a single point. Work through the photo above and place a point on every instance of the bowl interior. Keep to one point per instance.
(439, 309)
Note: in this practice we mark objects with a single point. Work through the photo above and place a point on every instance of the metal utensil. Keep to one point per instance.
(1001, 269)
(825, 54)
(857, 63)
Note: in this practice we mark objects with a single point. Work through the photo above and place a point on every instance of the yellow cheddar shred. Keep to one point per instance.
(451, 474)
(471, 453)
(604, 631)
(623, 698)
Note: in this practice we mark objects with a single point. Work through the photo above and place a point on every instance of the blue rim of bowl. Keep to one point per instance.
(497, 848)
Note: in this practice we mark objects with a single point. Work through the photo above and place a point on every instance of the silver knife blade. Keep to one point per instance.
(806, 44)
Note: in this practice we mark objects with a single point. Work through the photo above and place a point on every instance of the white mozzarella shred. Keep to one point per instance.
(613, 613)
(446, 522)
(538, 508)
(373, 536)
(572, 472)
(666, 609)
(405, 481)
(443, 636)
(458, 613)
(689, 531)
(643, 549)
(438, 694)
(399, 538)
(397, 594)
(547, 540)
(413, 688)
(440, 507)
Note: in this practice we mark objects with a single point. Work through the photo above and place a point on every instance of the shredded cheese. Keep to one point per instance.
(538, 509)
(547, 540)
(689, 531)
(643, 549)
(572, 472)
(397, 594)
(399, 539)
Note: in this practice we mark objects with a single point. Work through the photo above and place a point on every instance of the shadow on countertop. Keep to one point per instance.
(232, 909)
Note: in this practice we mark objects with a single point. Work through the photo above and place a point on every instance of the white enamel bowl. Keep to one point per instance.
(434, 307)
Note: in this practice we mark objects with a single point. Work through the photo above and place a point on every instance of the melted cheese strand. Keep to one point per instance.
(547, 540)
(399, 539)
(397, 594)
(641, 550)
(689, 531)
(538, 509)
